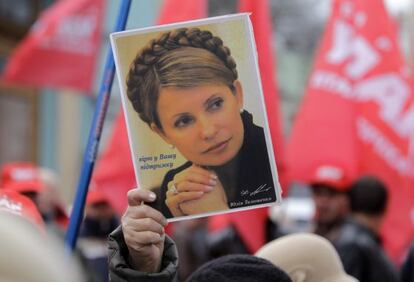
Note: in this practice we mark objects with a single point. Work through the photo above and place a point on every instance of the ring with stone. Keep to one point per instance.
(174, 189)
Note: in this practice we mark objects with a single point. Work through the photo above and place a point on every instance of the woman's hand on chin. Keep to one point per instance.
(214, 200)
(188, 185)
(143, 229)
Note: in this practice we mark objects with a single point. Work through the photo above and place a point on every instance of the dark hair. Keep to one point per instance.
(182, 58)
(239, 268)
(368, 195)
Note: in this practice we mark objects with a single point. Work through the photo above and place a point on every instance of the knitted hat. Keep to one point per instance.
(239, 268)
(306, 258)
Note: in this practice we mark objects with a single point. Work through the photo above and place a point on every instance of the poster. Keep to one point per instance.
(196, 117)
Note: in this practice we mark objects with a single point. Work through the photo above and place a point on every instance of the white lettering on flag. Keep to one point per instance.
(74, 34)
(384, 148)
(357, 57)
(352, 48)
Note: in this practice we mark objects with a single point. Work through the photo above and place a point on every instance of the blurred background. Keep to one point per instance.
(50, 126)
(47, 123)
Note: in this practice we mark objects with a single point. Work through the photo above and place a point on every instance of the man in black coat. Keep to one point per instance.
(359, 242)
(407, 269)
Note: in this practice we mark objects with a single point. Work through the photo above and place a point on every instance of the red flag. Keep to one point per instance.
(61, 48)
(251, 224)
(114, 173)
(262, 27)
(358, 112)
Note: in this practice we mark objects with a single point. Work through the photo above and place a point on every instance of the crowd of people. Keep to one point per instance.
(345, 244)
(36, 216)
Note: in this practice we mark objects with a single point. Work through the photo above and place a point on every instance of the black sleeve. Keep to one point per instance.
(367, 263)
(121, 271)
(353, 260)
(407, 269)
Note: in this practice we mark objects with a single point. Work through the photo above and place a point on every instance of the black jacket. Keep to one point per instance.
(249, 172)
(362, 255)
(121, 271)
(407, 269)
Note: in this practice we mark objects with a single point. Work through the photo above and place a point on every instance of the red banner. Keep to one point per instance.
(61, 48)
(358, 112)
(114, 173)
(262, 27)
(251, 225)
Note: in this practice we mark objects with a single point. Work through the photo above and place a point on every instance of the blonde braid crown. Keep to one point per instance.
(143, 81)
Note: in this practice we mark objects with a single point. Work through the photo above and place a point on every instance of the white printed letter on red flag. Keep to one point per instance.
(61, 48)
(358, 112)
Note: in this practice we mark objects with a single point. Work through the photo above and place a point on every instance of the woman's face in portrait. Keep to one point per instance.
(203, 122)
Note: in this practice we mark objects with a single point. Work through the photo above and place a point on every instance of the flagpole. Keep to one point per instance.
(95, 133)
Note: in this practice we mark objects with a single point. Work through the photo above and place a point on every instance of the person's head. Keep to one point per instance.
(98, 205)
(184, 86)
(305, 258)
(12, 202)
(331, 204)
(22, 177)
(329, 190)
(27, 254)
(368, 195)
(50, 199)
(100, 217)
(240, 268)
(368, 200)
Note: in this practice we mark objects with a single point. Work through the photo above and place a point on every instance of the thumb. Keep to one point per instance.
(138, 195)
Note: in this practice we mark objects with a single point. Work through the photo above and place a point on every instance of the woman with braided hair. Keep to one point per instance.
(184, 86)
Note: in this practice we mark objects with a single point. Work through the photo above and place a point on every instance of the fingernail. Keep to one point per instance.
(212, 182)
(213, 176)
(208, 188)
(152, 196)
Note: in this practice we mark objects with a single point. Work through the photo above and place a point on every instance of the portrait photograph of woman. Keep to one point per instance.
(196, 116)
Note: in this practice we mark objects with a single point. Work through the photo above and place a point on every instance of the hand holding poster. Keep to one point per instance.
(195, 114)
